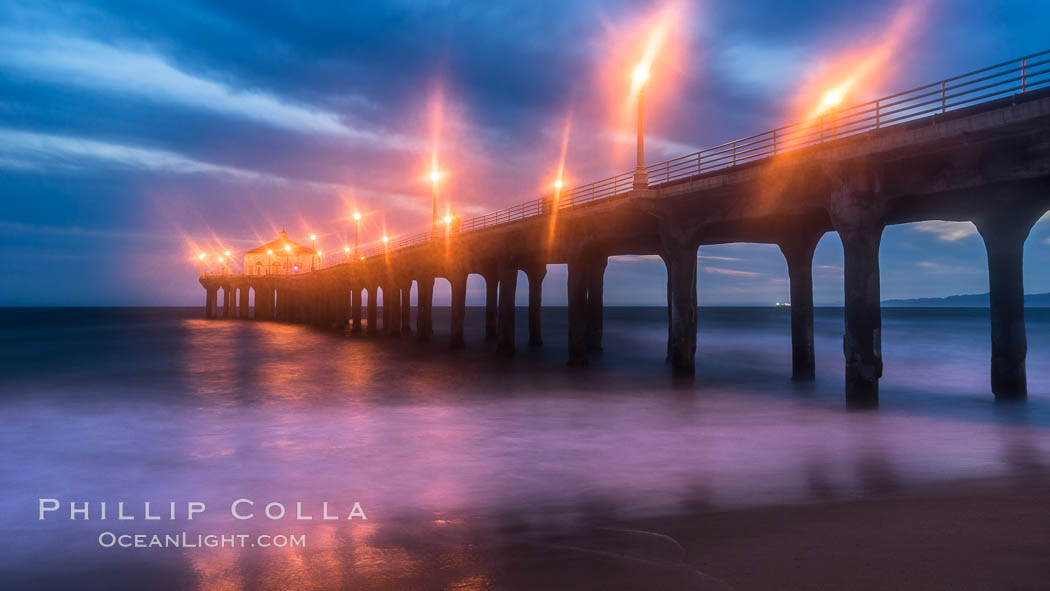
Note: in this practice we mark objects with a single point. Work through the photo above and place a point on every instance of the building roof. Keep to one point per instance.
(277, 246)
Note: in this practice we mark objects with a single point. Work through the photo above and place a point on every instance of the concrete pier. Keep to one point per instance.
(373, 310)
(577, 296)
(1004, 232)
(858, 213)
(491, 303)
(458, 280)
(508, 283)
(355, 310)
(988, 164)
(535, 273)
(406, 306)
(596, 301)
(679, 256)
(798, 252)
(424, 308)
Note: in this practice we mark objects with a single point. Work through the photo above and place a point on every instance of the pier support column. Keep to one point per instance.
(857, 214)
(424, 305)
(595, 301)
(355, 310)
(491, 304)
(227, 301)
(242, 303)
(394, 302)
(508, 284)
(679, 256)
(459, 308)
(1005, 231)
(342, 299)
(406, 307)
(798, 252)
(535, 273)
(211, 296)
(577, 292)
(862, 343)
(373, 311)
(264, 307)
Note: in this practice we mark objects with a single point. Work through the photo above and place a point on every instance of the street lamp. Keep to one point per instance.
(641, 76)
(435, 176)
(201, 259)
(357, 230)
(269, 253)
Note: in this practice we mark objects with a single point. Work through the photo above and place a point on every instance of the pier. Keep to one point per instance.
(971, 148)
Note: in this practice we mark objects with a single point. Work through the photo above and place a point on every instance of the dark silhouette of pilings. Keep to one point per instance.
(508, 283)
(535, 273)
(458, 280)
(1004, 231)
(491, 303)
(678, 251)
(986, 164)
(798, 252)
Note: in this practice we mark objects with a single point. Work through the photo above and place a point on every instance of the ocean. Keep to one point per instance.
(438, 446)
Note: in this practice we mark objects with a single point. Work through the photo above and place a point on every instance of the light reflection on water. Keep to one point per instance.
(442, 448)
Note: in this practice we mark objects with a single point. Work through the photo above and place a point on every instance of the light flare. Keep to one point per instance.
(865, 68)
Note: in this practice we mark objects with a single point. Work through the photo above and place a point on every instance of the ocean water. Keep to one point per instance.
(440, 447)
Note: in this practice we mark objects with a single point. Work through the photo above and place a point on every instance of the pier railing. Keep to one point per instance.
(1003, 80)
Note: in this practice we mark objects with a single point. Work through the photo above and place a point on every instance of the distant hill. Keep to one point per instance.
(973, 300)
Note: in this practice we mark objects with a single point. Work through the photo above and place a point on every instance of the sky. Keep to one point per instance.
(134, 135)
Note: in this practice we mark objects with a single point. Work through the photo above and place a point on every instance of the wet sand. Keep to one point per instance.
(976, 535)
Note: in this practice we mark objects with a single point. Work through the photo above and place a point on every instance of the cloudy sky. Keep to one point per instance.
(134, 135)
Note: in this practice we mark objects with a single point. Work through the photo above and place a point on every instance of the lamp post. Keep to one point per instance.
(269, 253)
(641, 76)
(313, 247)
(435, 176)
(357, 230)
(287, 253)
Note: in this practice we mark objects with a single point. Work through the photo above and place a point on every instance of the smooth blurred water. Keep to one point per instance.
(161, 404)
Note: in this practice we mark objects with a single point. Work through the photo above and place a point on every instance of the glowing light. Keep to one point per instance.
(832, 98)
(448, 219)
(287, 248)
(346, 249)
(385, 239)
(313, 236)
(227, 253)
(435, 176)
(861, 70)
(362, 258)
(269, 252)
(318, 253)
(640, 75)
(220, 259)
(558, 184)
(357, 217)
(201, 257)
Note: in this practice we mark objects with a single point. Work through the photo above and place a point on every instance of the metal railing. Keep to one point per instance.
(1003, 80)
(994, 82)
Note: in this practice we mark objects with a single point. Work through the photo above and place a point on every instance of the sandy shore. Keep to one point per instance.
(979, 535)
